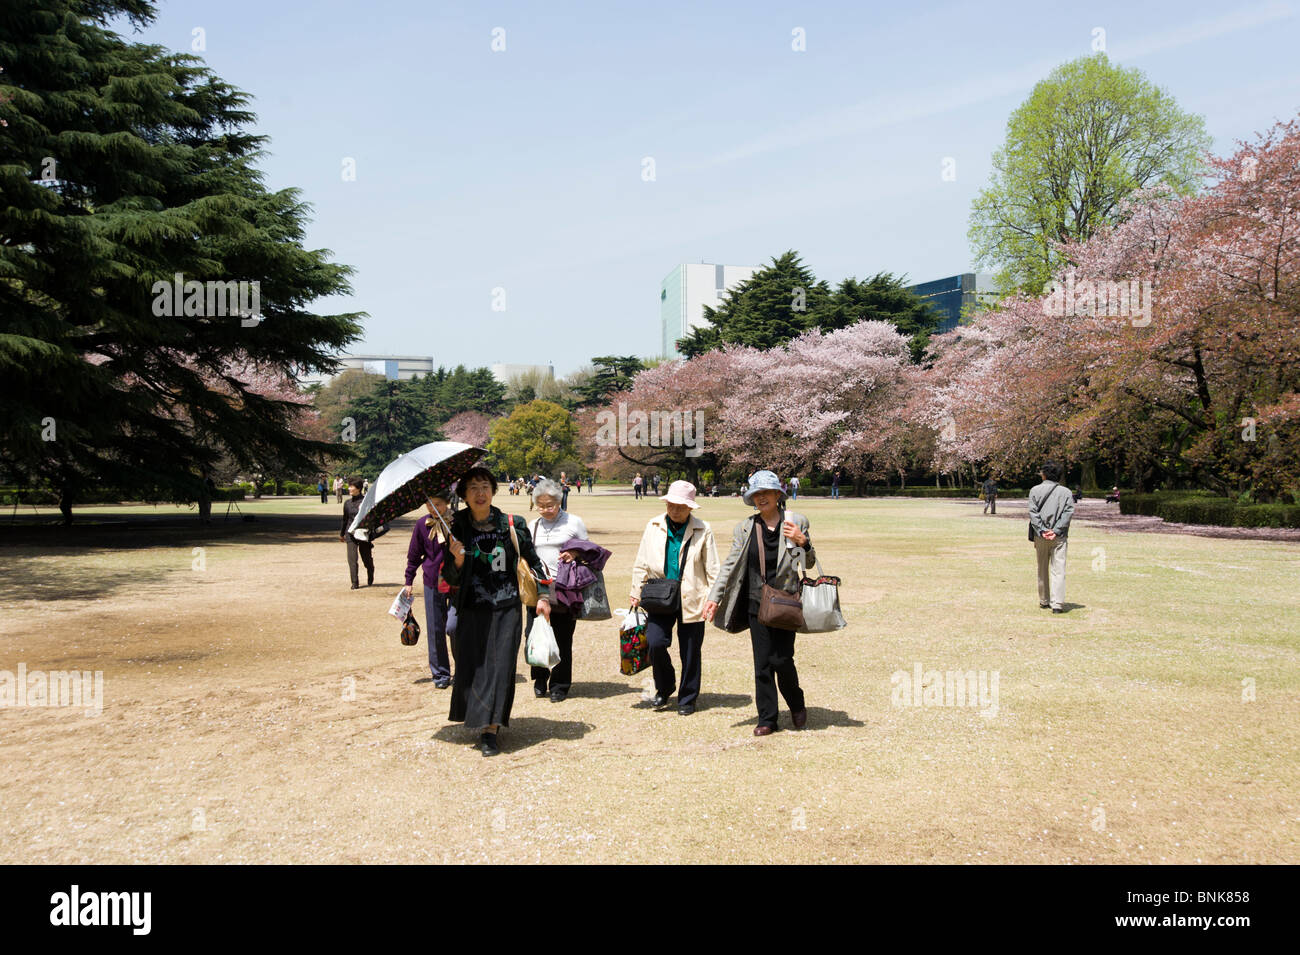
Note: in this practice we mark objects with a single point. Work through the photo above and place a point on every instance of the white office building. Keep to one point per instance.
(686, 290)
(392, 367)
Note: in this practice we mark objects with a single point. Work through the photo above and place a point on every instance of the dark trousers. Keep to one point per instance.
(773, 668)
(659, 637)
(561, 678)
(436, 627)
(364, 548)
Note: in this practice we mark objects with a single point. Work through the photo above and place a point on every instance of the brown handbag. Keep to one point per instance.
(776, 608)
(523, 573)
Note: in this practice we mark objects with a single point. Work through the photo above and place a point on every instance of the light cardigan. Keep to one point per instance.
(701, 563)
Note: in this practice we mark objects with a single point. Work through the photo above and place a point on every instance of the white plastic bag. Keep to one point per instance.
(541, 649)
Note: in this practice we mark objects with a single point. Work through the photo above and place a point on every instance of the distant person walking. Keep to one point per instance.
(357, 546)
(323, 490)
(654, 483)
(564, 491)
(591, 483)
(794, 488)
(338, 490)
(1051, 507)
(636, 486)
(990, 489)
(835, 486)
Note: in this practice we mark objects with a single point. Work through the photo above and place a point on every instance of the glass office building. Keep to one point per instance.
(949, 296)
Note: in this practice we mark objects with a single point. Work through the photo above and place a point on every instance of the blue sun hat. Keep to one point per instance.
(763, 481)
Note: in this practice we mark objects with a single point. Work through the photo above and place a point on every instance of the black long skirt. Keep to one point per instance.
(487, 650)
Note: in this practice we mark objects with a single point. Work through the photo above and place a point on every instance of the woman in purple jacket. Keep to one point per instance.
(440, 618)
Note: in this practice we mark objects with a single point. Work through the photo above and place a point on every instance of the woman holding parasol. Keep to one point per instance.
(486, 548)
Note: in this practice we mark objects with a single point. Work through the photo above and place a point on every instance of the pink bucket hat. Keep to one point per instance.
(681, 492)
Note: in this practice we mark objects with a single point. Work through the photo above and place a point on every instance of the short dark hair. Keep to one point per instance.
(356, 482)
(1051, 471)
(476, 472)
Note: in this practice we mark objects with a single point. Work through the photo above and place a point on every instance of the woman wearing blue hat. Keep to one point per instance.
(785, 547)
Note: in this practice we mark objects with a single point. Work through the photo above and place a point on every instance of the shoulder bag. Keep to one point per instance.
(523, 573)
(661, 595)
(776, 608)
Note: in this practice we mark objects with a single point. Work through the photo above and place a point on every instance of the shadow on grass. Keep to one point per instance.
(39, 560)
(819, 718)
(523, 732)
(600, 691)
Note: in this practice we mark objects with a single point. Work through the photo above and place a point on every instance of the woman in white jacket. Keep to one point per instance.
(678, 546)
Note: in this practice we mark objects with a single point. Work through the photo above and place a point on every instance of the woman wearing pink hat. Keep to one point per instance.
(676, 565)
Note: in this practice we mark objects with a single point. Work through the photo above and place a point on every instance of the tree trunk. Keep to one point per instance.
(1088, 477)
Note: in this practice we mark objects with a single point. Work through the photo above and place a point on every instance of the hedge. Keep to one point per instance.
(1201, 507)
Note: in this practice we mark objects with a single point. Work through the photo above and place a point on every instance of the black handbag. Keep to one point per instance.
(661, 595)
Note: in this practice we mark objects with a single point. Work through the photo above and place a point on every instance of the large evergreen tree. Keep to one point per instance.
(769, 308)
(390, 420)
(122, 165)
(613, 373)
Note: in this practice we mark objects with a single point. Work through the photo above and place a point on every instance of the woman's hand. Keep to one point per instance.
(796, 535)
(567, 556)
(407, 590)
(544, 609)
(710, 608)
(457, 552)
(632, 602)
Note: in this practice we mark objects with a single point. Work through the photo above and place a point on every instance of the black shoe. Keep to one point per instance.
(686, 709)
(1044, 606)
(557, 696)
(370, 580)
(487, 744)
(442, 684)
(539, 690)
(1058, 610)
(660, 702)
(356, 587)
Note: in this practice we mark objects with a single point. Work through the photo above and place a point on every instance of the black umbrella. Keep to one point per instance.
(412, 479)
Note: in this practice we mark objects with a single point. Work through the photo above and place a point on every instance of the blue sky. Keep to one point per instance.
(522, 169)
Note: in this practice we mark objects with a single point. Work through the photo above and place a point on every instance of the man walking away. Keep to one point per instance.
(1050, 508)
(990, 494)
(794, 488)
(356, 545)
(835, 486)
